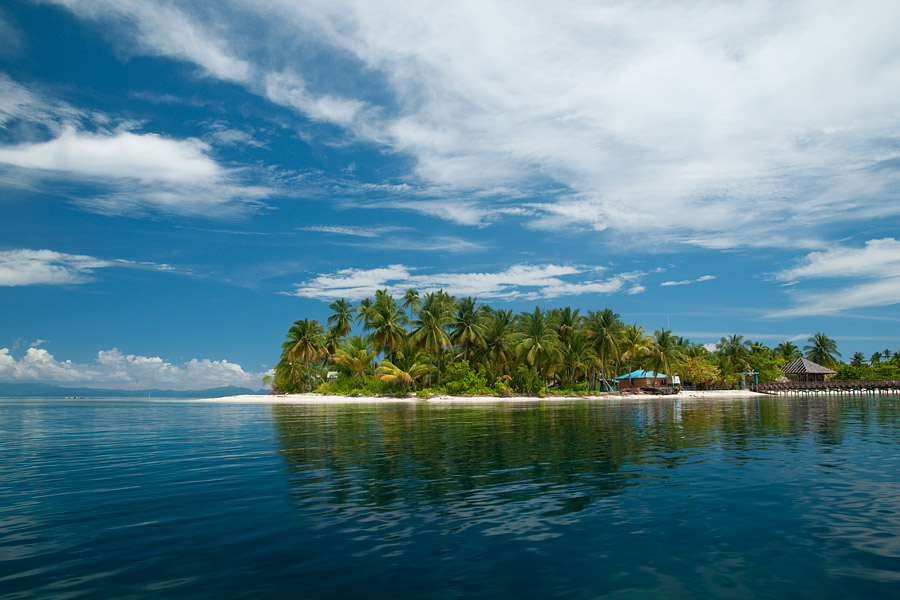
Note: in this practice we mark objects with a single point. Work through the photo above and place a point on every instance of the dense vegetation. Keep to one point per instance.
(438, 344)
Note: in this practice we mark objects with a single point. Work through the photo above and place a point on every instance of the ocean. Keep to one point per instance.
(752, 498)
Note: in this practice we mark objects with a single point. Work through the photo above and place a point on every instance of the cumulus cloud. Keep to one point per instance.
(875, 267)
(144, 157)
(516, 282)
(125, 371)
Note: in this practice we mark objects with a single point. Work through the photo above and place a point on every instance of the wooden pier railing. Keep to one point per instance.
(851, 386)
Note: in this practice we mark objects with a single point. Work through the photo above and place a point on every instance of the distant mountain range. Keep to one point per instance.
(43, 390)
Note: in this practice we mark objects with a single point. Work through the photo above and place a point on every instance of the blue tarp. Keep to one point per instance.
(641, 374)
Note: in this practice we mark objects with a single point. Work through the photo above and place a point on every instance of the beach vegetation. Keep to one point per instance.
(823, 350)
(433, 343)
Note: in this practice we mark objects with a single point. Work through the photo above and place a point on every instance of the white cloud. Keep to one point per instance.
(719, 125)
(687, 281)
(381, 239)
(166, 30)
(288, 89)
(436, 243)
(125, 371)
(47, 267)
(35, 267)
(877, 258)
(518, 281)
(695, 117)
(884, 292)
(135, 172)
(876, 265)
(365, 232)
(18, 102)
(144, 157)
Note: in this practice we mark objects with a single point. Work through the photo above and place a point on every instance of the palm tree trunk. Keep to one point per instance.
(306, 383)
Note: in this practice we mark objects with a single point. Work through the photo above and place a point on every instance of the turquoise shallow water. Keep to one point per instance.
(770, 498)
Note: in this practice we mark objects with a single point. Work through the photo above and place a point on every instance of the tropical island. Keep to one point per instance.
(435, 344)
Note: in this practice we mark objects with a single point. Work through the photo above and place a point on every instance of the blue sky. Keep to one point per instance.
(180, 181)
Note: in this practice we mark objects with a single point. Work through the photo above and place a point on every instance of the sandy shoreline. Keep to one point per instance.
(322, 399)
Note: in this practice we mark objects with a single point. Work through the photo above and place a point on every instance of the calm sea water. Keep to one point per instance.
(771, 498)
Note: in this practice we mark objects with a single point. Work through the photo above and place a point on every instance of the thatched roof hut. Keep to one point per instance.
(801, 369)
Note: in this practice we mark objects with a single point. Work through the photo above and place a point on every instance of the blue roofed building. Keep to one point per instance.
(640, 378)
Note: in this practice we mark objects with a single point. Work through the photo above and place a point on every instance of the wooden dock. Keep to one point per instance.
(837, 386)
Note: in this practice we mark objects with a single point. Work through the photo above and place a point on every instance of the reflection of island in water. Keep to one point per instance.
(718, 495)
(377, 455)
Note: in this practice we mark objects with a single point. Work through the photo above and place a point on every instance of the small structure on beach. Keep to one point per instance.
(640, 378)
(802, 370)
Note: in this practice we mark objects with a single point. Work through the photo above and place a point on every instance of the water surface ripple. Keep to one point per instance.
(772, 498)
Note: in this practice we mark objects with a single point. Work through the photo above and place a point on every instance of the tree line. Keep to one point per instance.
(438, 343)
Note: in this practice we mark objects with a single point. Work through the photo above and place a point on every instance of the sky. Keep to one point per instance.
(180, 181)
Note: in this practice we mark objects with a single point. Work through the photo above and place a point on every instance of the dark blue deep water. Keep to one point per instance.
(770, 498)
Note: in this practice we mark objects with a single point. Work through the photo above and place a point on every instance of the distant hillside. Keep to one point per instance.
(43, 390)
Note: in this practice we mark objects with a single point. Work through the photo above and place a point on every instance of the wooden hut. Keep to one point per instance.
(802, 370)
(641, 378)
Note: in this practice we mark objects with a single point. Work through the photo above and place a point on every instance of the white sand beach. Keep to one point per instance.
(323, 399)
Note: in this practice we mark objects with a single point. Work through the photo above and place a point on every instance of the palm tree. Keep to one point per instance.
(665, 351)
(858, 359)
(342, 317)
(355, 358)
(430, 334)
(536, 339)
(388, 372)
(305, 342)
(604, 329)
(386, 322)
(634, 345)
(876, 358)
(498, 346)
(788, 351)
(823, 350)
(468, 329)
(736, 349)
(333, 339)
(411, 302)
(696, 351)
(363, 312)
(577, 357)
(567, 323)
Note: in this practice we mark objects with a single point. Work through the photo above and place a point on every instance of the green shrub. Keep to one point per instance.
(375, 387)
(502, 387)
(526, 381)
(462, 380)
